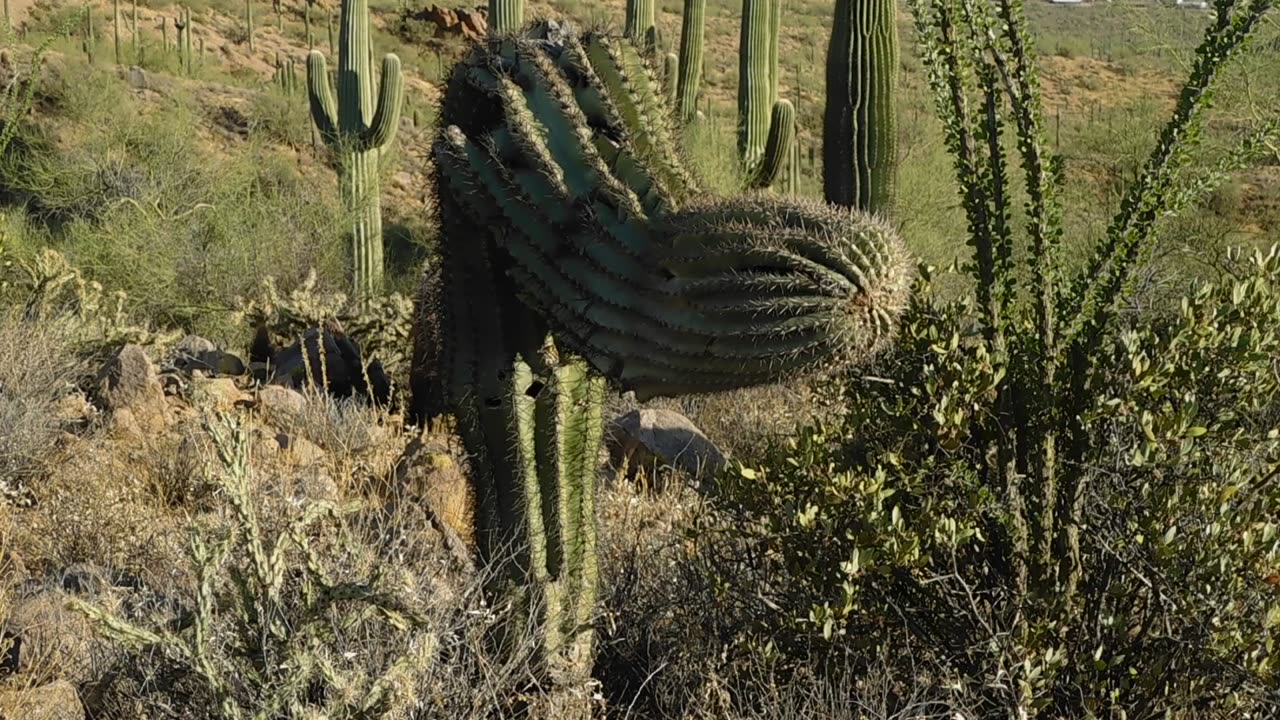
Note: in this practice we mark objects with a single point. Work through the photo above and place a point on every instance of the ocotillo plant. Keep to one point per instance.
(569, 224)
(758, 102)
(358, 133)
(642, 24)
(505, 16)
(859, 149)
(692, 31)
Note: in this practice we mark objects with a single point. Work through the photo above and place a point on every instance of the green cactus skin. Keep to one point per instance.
(332, 41)
(777, 149)
(359, 133)
(115, 29)
(248, 21)
(859, 154)
(185, 55)
(642, 24)
(505, 16)
(88, 41)
(692, 31)
(306, 21)
(670, 73)
(758, 102)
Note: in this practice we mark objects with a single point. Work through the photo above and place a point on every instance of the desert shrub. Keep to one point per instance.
(140, 205)
(37, 369)
(1056, 505)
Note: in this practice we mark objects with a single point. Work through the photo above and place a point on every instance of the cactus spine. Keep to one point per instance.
(642, 24)
(359, 133)
(859, 153)
(505, 16)
(758, 103)
(692, 31)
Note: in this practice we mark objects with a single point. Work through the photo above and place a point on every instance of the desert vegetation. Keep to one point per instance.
(700, 359)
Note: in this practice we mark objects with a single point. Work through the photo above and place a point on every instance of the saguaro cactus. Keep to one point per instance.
(692, 31)
(859, 152)
(569, 224)
(642, 24)
(505, 16)
(248, 21)
(758, 93)
(358, 133)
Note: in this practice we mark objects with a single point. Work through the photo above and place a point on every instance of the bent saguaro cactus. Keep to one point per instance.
(578, 250)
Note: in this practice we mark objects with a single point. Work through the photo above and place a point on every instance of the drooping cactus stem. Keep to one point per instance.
(859, 154)
(778, 147)
(692, 31)
(670, 71)
(505, 16)
(359, 128)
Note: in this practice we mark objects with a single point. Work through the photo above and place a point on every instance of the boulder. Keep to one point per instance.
(45, 636)
(218, 393)
(128, 381)
(55, 701)
(281, 403)
(330, 359)
(654, 437)
(194, 354)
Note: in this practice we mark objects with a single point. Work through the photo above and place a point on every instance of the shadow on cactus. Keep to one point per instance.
(569, 222)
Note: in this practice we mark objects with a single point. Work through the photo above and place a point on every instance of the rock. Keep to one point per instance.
(74, 411)
(652, 436)
(194, 354)
(218, 393)
(427, 474)
(330, 359)
(299, 450)
(137, 78)
(55, 701)
(472, 25)
(128, 381)
(313, 486)
(281, 403)
(46, 636)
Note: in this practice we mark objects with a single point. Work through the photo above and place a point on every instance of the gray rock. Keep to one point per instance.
(43, 634)
(56, 701)
(281, 403)
(652, 437)
(137, 78)
(194, 354)
(129, 380)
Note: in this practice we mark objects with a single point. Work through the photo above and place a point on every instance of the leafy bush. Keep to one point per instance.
(1058, 506)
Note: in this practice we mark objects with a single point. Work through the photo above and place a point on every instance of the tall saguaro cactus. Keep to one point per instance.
(758, 103)
(358, 131)
(692, 32)
(505, 16)
(859, 149)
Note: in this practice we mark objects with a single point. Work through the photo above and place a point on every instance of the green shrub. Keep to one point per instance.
(1062, 507)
